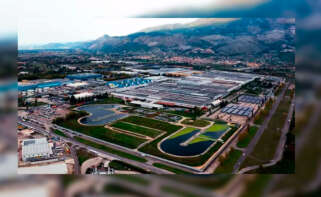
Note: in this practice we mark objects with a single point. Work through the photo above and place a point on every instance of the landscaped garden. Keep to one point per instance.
(152, 148)
(99, 132)
(182, 132)
(152, 123)
(110, 150)
(136, 129)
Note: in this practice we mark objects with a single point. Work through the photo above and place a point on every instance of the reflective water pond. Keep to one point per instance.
(172, 146)
(214, 135)
(100, 114)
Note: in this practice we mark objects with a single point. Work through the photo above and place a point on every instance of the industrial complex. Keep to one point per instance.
(180, 118)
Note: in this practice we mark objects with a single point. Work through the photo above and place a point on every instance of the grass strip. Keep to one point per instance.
(108, 149)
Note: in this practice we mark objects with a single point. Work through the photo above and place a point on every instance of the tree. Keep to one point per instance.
(197, 112)
(73, 100)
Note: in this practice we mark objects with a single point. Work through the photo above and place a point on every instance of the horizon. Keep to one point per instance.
(95, 29)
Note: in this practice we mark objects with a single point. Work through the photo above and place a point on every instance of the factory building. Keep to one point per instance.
(36, 149)
(83, 95)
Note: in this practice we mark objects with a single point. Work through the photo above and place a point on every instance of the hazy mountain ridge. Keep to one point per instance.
(251, 36)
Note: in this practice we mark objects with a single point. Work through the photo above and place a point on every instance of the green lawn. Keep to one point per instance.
(228, 134)
(100, 132)
(182, 113)
(196, 123)
(183, 132)
(218, 127)
(259, 119)
(152, 123)
(171, 169)
(200, 138)
(60, 133)
(226, 167)
(247, 139)
(255, 188)
(84, 155)
(109, 100)
(110, 150)
(270, 137)
(136, 129)
(119, 165)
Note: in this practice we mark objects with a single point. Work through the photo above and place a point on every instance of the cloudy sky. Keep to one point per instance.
(44, 21)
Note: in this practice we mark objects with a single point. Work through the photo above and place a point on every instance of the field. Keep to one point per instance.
(110, 150)
(196, 123)
(218, 127)
(226, 166)
(109, 100)
(270, 137)
(259, 119)
(244, 142)
(171, 169)
(182, 132)
(182, 113)
(200, 138)
(100, 132)
(152, 123)
(136, 129)
(60, 133)
(83, 155)
(119, 165)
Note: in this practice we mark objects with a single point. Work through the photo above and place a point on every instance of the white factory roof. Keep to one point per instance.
(34, 147)
(83, 95)
(216, 102)
(77, 84)
(148, 105)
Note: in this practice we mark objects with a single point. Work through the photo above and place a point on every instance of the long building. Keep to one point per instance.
(197, 90)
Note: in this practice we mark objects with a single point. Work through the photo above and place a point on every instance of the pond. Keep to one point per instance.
(172, 146)
(214, 135)
(100, 114)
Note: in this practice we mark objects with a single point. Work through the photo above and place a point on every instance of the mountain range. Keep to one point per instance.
(205, 37)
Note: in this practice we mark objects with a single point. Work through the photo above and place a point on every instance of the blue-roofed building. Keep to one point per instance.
(48, 84)
(84, 76)
(128, 82)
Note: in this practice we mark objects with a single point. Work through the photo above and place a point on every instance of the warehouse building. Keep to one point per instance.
(83, 95)
(198, 89)
(238, 110)
(251, 99)
(36, 149)
(147, 105)
(125, 83)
